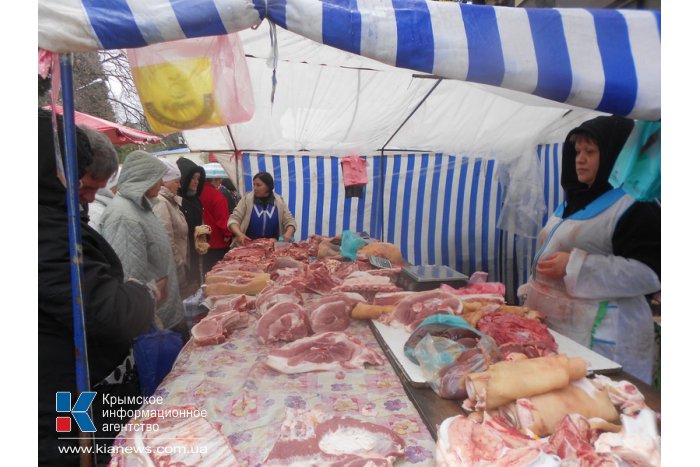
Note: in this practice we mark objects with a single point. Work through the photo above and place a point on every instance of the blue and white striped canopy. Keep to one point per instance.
(606, 60)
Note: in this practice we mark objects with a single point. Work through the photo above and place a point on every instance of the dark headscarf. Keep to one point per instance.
(267, 179)
(610, 133)
(51, 190)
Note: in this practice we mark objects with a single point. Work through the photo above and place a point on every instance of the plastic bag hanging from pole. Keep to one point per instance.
(193, 83)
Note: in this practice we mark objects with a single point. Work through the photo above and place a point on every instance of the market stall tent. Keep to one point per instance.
(117, 134)
(442, 149)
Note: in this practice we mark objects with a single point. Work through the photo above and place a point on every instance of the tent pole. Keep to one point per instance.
(381, 177)
(82, 373)
(412, 112)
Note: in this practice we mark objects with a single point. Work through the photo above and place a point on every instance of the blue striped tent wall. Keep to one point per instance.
(517, 253)
(437, 208)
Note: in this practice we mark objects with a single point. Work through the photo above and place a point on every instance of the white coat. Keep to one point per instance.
(600, 301)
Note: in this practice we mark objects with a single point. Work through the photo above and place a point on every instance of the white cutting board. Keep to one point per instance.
(395, 339)
(596, 362)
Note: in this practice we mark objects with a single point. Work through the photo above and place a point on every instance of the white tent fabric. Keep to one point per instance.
(341, 104)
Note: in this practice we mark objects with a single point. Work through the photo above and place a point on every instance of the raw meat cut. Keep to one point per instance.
(572, 441)
(413, 309)
(507, 329)
(332, 316)
(230, 303)
(285, 321)
(391, 298)
(319, 278)
(311, 437)
(638, 443)
(243, 282)
(332, 312)
(320, 352)
(466, 442)
(361, 281)
(216, 327)
(496, 289)
(227, 266)
(451, 379)
(538, 415)
(274, 294)
(282, 262)
(178, 441)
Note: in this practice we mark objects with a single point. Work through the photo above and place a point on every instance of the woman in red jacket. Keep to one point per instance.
(215, 215)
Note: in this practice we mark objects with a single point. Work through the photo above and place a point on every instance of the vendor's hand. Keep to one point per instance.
(161, 291)
(288, 237)
(554, 266)
(241, 239)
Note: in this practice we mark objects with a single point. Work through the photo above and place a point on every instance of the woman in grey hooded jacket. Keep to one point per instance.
(138, 238)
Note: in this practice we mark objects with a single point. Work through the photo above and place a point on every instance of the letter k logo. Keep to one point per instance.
(79, 411)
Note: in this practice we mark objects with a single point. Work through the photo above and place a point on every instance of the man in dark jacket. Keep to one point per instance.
(115, 311)
(191, 185)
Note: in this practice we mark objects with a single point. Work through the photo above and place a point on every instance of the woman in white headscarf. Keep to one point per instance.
(169, 213)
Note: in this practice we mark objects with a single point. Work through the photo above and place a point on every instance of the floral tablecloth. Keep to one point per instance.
(248, 400)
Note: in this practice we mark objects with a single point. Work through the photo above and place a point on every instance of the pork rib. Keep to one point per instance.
(321, 352)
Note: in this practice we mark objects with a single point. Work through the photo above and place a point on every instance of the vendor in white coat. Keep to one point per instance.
(599, 255)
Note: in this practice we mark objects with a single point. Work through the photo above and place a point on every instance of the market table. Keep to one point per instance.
(433, 409)
(247, 400)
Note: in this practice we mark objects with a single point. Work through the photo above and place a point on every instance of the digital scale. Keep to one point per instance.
(418, 278)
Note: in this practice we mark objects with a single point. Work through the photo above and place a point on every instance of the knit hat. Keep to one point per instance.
(214, 170)
(173, 172)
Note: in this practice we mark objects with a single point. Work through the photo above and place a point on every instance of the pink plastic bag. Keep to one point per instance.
(354, 170)
(193, 83)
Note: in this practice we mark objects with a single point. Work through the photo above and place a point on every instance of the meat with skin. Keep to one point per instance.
(483, 288)
(331, 316)
(572, 441)
(319, 278)
(232, 303)
(321, 352)
(391, 298)
(360, 281)
(312, 437)
(332, 312)
(285, 321)
(274, 294)
(242, 282)
(283, 262)
(413, 309)
(245, 252)
(539, 415)
(228, 266)
(215, 328)
(178, 441)
(465, 442)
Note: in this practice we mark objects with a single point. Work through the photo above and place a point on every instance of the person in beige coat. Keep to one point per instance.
(262, 214)
(168, 212)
